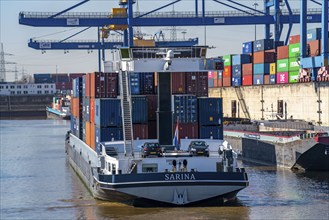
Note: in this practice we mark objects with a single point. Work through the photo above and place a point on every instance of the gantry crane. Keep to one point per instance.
(273, 13)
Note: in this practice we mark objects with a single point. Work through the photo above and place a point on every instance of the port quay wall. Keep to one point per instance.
(12, 106)
(307, 101)
(282, 153)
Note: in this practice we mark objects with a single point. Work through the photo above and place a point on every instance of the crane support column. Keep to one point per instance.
(303, 28)
(324, 35)
(130, 24)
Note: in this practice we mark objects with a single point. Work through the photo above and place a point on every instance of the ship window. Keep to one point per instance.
(233, 105)
(110, 167)
(150, 168)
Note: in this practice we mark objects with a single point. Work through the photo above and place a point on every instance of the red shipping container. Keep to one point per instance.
(178, 83)
(187, 130)
(282, 52)
(294, 39)
(247, 80)
(97, 85)
(92, 110)
(152, 130)
(220, 82)
(191, 82)
(202, 84)
(227, 71)
(111, 84)
(152, 106)
(264, 57)
(282, 77)
(140, 131)
(247, 69)
(267, 79)
(211, 74)
(314, 48)
(227, 81)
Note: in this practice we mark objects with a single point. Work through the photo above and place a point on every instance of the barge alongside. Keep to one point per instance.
(107, 153)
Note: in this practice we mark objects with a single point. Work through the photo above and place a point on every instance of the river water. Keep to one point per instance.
(38, 183)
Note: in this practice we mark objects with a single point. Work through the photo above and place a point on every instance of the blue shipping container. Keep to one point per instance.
(264, 44)
(107, 134)
(146, 83)
(248, 47)
(139, 109)
(211, 111)
(211, 132)
(185, 108)
(261, 69)
(258, 79)
(108, 112)
(240, 59)
(314, 34)
(236, 70)
(134, 84)
(77, 87)
(273, 79)
(211, 83)
(236, 80)
(86, 109)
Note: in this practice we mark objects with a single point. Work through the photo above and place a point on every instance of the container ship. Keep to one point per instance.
(60, 108)
(145, 132)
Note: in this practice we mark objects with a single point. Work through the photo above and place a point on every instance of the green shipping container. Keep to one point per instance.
(294, 50)
(282, 65)
(227, 60)
(293, 76)
(293, 64)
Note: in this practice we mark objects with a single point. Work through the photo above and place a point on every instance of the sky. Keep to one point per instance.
(15, 37)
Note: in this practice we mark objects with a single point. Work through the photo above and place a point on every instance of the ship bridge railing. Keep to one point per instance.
(169, 14)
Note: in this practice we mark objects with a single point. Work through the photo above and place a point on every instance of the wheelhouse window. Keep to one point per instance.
(150, 168)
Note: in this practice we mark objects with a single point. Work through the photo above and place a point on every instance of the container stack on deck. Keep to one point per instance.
(96, 107)
(63, 81)
(265, 62)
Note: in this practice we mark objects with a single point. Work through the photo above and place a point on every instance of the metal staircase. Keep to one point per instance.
(242, 102)
(126, 113)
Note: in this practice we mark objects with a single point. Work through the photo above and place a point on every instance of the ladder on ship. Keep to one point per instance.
(126, 113)
(242, 102)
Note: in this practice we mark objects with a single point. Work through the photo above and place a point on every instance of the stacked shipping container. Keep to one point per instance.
(97, 110)
(272, 63)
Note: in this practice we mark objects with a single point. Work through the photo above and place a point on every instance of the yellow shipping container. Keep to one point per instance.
(120, 27)
(144, 43)
(119, 12)
(272, 68)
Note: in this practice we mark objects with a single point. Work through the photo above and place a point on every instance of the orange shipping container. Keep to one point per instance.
(314, 48)
(227, 81)
(92, 110)
(294, 39)
(227, 71)
(266, 79)
(264, 57)
(215, 82)
(282, 52)
(92, 136)
(75, 108)
(88, 133)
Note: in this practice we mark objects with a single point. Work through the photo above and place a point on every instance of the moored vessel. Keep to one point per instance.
(60, 108)
(181, 168)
